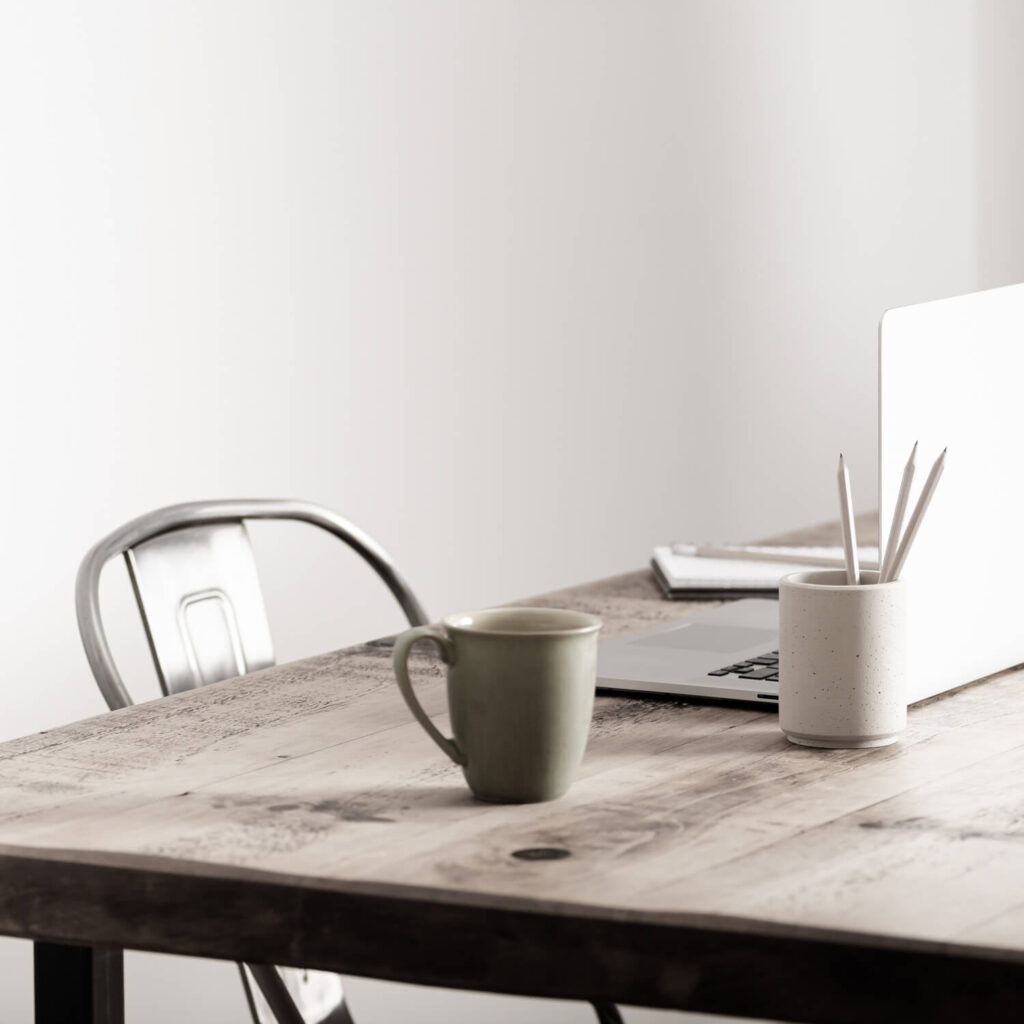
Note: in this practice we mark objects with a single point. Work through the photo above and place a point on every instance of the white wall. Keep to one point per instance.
(522, 288)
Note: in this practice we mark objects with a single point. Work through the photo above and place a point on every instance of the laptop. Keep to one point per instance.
(950, 373)
(705, 655)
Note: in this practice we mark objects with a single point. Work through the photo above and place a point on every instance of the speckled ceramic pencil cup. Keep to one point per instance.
(842, 659)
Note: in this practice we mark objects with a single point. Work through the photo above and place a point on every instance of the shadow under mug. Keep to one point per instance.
(521, 687)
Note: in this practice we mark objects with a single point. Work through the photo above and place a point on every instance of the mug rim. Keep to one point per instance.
(584, 622)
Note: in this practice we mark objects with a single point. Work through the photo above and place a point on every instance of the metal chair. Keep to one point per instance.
(194, 576)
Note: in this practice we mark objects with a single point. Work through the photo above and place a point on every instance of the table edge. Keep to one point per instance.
(13, 857)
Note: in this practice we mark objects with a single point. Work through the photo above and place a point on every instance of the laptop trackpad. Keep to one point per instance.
(701, 637)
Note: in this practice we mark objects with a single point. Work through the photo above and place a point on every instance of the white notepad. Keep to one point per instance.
(686, 575)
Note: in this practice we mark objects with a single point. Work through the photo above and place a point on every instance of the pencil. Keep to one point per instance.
(897, 517)
(916, 516)
(849, 530)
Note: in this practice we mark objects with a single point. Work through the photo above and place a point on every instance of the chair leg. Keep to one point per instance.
(607, 1013)
(339, 1015)
(249, 999)
(271, 985)
(336, 1014)
(286, 1012)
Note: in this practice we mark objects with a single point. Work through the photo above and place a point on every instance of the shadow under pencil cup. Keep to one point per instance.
(842, 659)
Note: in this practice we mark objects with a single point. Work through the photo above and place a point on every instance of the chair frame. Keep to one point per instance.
(211, 513)
(214, 513)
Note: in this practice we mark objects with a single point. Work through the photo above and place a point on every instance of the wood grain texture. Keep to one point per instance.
(299, 816)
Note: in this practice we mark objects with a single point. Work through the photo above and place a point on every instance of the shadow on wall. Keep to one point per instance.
(1000, 142)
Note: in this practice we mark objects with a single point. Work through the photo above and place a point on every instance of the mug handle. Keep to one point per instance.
(403, 645)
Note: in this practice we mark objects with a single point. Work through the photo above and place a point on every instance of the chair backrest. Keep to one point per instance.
(199, 597)
(194, 577)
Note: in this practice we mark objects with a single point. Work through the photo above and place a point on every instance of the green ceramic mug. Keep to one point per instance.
(520, 693)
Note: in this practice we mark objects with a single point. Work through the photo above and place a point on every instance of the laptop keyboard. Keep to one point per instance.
(764, 666)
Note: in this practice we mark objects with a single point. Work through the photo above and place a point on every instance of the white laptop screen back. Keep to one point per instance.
(952, 373)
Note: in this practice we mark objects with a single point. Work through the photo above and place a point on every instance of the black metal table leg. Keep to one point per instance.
(78, 984)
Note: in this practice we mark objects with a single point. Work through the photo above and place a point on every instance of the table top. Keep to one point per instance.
(299, 815)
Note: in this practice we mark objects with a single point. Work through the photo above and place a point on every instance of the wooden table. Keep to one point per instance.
(299, 816)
